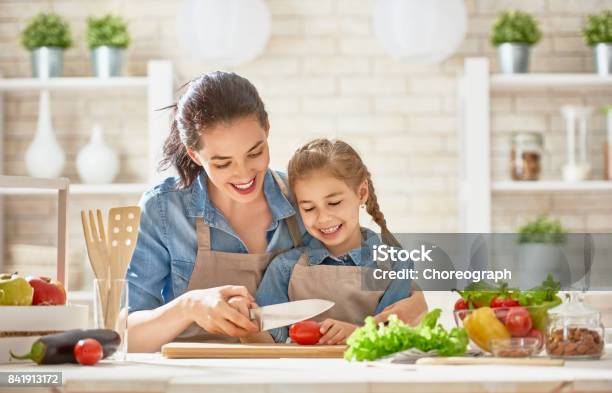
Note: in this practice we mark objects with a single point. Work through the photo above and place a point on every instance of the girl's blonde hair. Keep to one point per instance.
(342, 162)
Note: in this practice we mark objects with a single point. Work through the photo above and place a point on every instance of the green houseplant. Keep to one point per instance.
(513, 34)
(46, 36)
(107, 38)
(597, 33)
(541, 251)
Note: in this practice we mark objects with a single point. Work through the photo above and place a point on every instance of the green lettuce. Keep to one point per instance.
(372, 341)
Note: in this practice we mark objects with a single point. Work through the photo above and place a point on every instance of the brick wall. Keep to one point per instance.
(322, 74)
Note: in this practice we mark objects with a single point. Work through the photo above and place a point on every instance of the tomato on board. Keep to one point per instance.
(518, 321)
(88, 351)
(305, 332)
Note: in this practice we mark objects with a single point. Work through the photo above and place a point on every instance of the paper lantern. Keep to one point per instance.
(223, 33)
(420, 31)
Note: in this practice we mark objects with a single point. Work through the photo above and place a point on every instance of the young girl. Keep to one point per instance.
(330, 182)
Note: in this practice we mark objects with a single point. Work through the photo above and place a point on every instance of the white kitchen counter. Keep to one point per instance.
(152, 373)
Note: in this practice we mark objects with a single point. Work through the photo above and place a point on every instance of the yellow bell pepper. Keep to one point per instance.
(482, 326)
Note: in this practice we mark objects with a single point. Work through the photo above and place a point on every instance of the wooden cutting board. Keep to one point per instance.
(185, 350)
(491, 360)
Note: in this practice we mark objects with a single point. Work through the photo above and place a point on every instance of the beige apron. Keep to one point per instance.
(340, 284)
(218, 268)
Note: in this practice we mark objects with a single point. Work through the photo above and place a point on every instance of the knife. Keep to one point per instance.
(285, 314)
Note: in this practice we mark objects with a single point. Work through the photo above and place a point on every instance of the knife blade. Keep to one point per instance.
(285, 314)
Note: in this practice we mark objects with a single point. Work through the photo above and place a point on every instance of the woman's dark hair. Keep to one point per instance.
(218, 97)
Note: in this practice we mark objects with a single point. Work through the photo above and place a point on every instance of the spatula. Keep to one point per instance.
(123, 223)
(95, 240)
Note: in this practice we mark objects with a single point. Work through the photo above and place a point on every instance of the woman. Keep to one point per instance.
(208, 235)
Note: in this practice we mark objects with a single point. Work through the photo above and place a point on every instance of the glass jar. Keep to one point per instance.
(575, 331)
(525, 155)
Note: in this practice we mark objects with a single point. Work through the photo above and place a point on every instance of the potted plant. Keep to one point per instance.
(541, 252)
(597, 33)
(513, 33)
(46, 37)
(107, 37)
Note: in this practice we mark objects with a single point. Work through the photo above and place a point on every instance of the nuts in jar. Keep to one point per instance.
(579, 342)
(525, 156)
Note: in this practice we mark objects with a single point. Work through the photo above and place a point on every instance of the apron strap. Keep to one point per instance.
(203, 234)
(303, 261)
(291, 222)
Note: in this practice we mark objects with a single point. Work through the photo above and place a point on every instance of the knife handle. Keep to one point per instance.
(255, 316)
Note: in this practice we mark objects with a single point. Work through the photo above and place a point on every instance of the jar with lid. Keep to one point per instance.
(525, 155)
(575, 331)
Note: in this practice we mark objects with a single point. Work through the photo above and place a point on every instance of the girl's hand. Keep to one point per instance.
(210, 308)
(335, 332)
(409, 310)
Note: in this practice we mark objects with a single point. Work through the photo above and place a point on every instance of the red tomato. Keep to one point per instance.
(501, 306)
(88, 351)
(501, 302)
(539, 335)
(461, 304)
(518, 321)
(305, 332)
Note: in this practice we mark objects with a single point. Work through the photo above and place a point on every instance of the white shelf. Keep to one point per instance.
(78, 189)
(80, 83)
(519, 82)
(550, 185)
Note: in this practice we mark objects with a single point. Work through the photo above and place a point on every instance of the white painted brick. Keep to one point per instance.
(300, 46)
(335, 65)
(501, 103)
(577, 6)
(354, 7)
(370, 123)
(360, 46)
(433, 85)
(318, 26)
(439, 124)
(281, 106)
(271, 66)
(506, 123)
(299, 7)
(408, 143)
(561, 24)
(340, 105)
(372, 85)
(276, 86)
(286, 26)
(408, 104)
(386, 65)
(353, 25)
(574, 44)
(495, 6)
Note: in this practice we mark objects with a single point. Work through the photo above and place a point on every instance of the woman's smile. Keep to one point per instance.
(245, 187)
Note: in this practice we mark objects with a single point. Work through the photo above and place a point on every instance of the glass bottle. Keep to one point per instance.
(525, 156)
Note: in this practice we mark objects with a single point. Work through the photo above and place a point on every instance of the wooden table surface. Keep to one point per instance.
(152, 373)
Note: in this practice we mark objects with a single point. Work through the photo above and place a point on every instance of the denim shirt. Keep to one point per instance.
(166, 249)
(274, 286)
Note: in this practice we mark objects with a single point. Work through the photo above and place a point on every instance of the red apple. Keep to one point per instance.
(47, 292)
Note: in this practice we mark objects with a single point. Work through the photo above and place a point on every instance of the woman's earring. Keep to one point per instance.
(363, 205)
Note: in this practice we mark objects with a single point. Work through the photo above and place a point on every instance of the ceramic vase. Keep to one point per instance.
(44, 157)
(97, 162)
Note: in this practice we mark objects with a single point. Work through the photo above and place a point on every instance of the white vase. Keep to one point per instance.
(97, 162)
(44, 157)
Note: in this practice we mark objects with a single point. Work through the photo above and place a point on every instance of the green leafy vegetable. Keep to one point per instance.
(373, 341)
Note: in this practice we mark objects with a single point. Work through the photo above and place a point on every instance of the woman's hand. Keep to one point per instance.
(210, 308)
(409, 310)
(335, 332)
